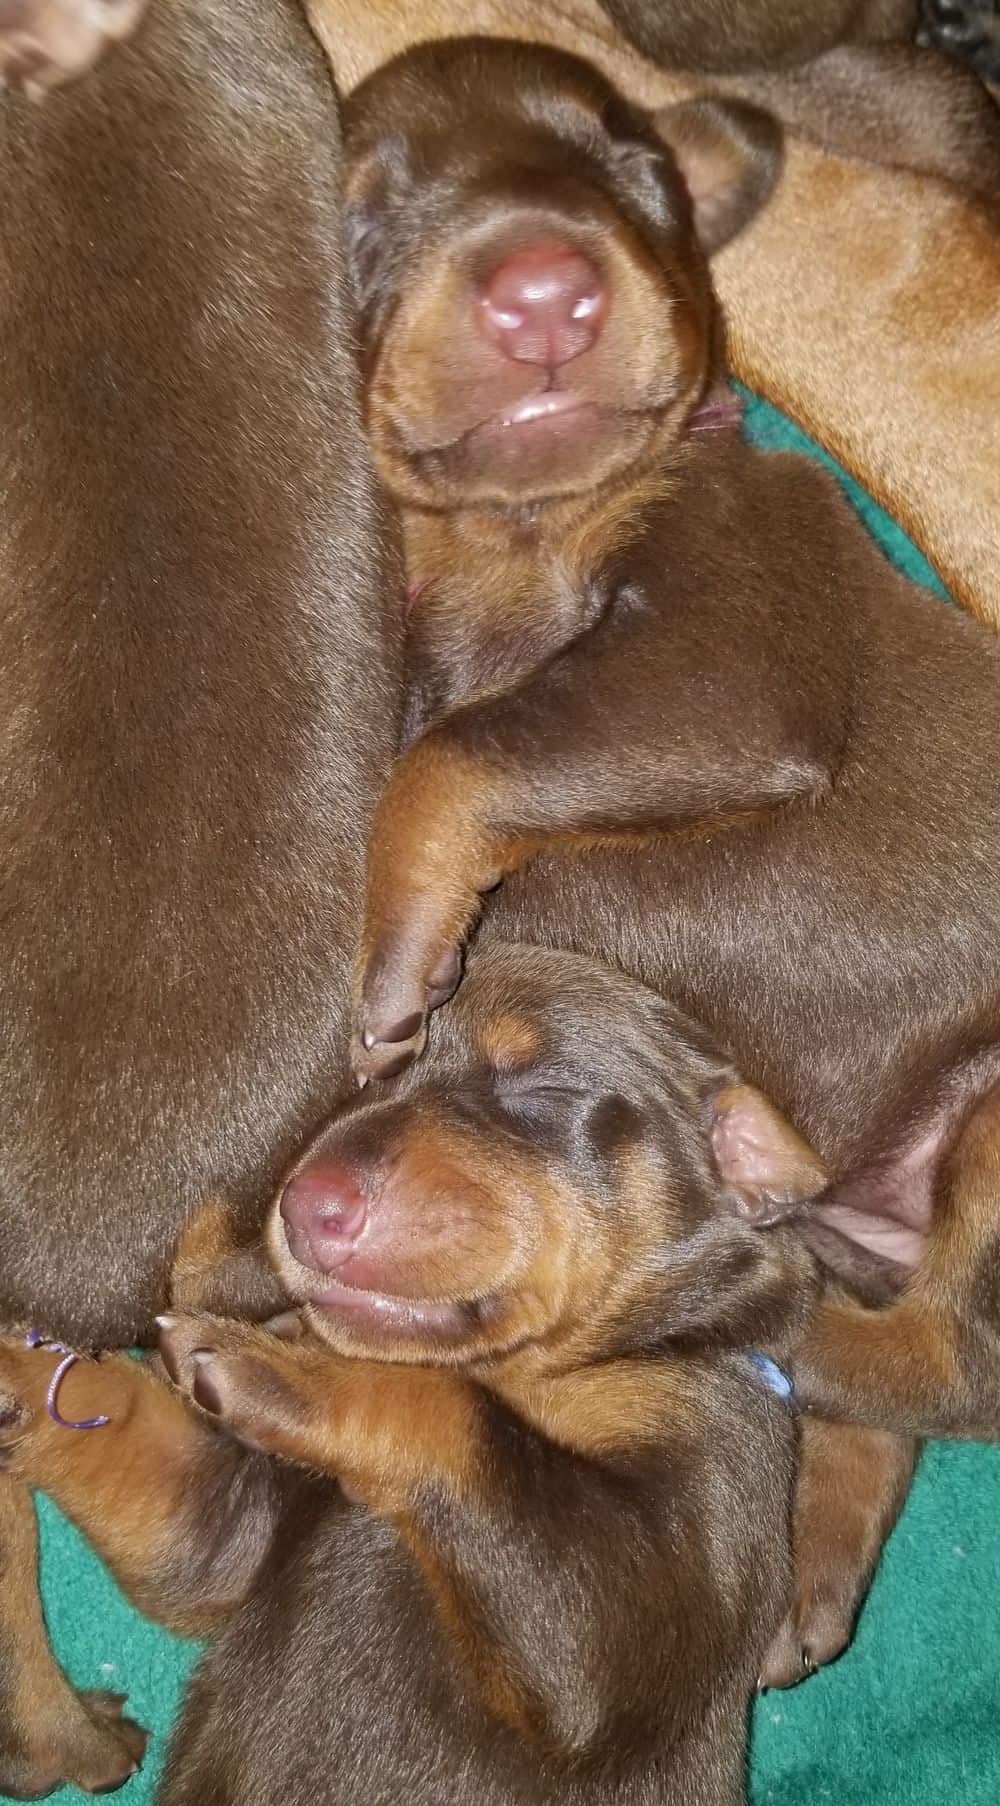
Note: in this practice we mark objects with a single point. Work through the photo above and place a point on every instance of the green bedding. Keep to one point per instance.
(908, 1717)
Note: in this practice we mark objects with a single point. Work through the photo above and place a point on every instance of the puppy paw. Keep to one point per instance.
(816, 1631)
(398, 994)
(80, 1739)
(249, 1380)
(44, 43)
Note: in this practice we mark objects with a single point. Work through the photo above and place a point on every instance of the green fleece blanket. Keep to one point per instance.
(908, 1717)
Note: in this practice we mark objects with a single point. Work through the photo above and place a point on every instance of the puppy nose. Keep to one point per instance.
(324, 1213)
(544, 305)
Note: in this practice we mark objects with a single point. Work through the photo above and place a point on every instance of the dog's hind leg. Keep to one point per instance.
(49, 1734)
(850, 1488)
(182, 1516)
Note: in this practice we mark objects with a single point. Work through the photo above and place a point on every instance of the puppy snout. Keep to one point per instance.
(324, 1214)
(544, 305)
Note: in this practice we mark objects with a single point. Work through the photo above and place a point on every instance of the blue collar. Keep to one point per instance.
(774, 1377)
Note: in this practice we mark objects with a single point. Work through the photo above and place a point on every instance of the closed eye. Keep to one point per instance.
(542, 1103)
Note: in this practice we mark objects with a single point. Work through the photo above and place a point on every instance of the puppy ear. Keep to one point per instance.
(942, 1154)
(739, 1281)
(729, 154)
(766, 1168)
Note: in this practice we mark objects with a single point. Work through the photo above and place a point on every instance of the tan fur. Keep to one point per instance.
(57, 1734)
(851, 1485)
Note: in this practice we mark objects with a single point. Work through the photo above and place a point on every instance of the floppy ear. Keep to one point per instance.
(766, 1168)
(944, 1153)
(729, 154)
(732, 1283)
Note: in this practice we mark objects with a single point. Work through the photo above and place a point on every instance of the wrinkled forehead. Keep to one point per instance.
(480, 107)
(521, 1007)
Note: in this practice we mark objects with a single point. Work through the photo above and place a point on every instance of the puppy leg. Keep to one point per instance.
(928, 1365)
(44, 43)
(585, 752)
(851, 1485)
(49, 1734)
(183, 1517)
(383, 1429)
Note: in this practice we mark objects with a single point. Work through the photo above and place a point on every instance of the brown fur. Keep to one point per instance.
(859, 302)
(570, 1507)
(850, 1485)
(192, 556)
(822, 962)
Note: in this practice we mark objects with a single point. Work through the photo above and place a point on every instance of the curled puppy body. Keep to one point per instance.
(565, 1547)
(622, 627)
(840, 939)
(801, 746)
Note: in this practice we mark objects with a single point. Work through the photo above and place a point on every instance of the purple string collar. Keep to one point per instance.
(35, 1339)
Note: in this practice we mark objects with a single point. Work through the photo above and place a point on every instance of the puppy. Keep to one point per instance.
(563, 1547)
(627, 630)
(762, 918)
(858, 304)
(188, 769)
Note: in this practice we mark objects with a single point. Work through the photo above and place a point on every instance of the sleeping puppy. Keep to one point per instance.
(651, 628)
(628, 629)
(561, 1545)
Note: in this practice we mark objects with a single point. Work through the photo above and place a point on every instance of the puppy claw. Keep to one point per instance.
(810, 1637)
(238, 1374)
(377, 1059)
(204, 1387)
(394, 1010)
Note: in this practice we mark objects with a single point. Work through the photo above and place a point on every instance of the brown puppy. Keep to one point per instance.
(861, 301)
(573, 1550)
(191, 559)
(744, 664)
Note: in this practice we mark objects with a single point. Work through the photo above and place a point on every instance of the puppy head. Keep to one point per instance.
(529, 256)
(568, 1167)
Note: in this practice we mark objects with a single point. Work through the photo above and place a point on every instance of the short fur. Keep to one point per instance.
(192, 559)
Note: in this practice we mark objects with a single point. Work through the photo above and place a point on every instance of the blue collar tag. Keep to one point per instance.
(774, 1377)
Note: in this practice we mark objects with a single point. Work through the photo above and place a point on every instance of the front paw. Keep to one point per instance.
(44, 43)
(249, 1380)
(83, 1739)
(400, 986)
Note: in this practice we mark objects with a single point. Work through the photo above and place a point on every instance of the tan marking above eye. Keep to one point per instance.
(510, 1041)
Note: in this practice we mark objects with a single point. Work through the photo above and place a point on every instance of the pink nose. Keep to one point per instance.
(544, 305)
(324, 1214)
